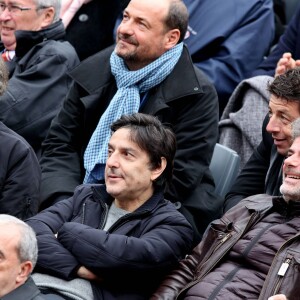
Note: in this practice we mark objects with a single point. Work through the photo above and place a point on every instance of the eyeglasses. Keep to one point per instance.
(13, 9)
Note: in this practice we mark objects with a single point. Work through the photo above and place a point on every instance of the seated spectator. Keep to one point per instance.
(20, 172)
(89, 24)
(262, 172)
(220, 38)
(141, 73)
(252, 252)
(286, 54)
(18, 248)
(120, 237)
(38, 60)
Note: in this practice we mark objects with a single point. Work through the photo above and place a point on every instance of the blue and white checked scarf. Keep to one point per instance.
(126, 101)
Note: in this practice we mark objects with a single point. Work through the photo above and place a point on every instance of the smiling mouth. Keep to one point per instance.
(277, 141)
(292, 177)
(4, 28)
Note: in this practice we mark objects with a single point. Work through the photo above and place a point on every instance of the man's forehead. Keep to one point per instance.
(18, 2)
(295, 147)
(284, 104)
(145, 8)
(123, 138)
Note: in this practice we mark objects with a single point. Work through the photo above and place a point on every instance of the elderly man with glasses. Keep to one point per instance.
(38, 60)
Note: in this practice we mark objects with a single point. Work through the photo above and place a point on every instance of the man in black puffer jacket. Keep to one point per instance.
(123, 236)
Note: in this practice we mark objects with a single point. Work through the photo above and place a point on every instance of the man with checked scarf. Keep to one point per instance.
(149, 70)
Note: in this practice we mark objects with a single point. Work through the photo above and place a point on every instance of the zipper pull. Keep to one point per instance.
(284, 267)
(226, 237)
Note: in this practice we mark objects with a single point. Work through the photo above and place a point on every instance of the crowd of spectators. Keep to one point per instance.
(109, 115)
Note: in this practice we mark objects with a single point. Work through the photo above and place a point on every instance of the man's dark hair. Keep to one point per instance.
(151, 136)
(287, 85)
(178, 17)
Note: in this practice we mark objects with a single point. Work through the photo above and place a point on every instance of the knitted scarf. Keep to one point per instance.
(126, 101)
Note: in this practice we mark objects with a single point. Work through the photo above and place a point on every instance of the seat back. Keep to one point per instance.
(224, 167)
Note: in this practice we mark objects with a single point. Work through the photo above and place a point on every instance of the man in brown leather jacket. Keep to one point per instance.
(252, 252)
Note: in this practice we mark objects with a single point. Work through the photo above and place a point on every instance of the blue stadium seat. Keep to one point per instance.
(224, 167)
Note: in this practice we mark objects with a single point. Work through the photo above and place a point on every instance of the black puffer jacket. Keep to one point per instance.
(242, 254)
(131, 256)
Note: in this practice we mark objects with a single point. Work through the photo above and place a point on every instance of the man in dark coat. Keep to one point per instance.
(262, 172)
(115, 241)
(152, 72)
(20, 173)
(38, 59)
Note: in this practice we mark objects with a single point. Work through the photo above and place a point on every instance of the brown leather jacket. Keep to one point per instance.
(219, 239)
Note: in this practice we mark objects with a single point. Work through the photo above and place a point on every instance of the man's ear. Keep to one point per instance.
(48, 16)
(25, 270)
(158, 171)
(172, 38)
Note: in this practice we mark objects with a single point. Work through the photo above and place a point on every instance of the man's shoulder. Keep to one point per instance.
(169, 212)
(100, 57)
(94, 70)
(244, 208)
(9, 138)
(59, 48)
(257, 202)
(195, 83)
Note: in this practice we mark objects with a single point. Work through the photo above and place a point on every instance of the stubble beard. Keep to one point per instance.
(290, 193)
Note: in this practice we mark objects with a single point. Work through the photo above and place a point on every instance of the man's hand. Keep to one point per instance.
(278, 297)
(84, 273)
(286, 62)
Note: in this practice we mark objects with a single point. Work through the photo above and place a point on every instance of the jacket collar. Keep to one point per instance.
(27, 39)
(26, 291)
(99, 191)
(287, 209)
(94, 73)
(261, 203)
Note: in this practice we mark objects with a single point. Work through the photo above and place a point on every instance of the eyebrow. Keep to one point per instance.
(137, 18)
(123, 148)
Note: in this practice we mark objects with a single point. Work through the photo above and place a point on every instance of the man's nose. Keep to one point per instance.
(112, 161)
(5, 15)
(126, 28)
(273, 125)
(291, 161)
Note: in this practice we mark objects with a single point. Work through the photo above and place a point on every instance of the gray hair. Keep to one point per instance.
(56, 4)
(295, 129)
(27, 248)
